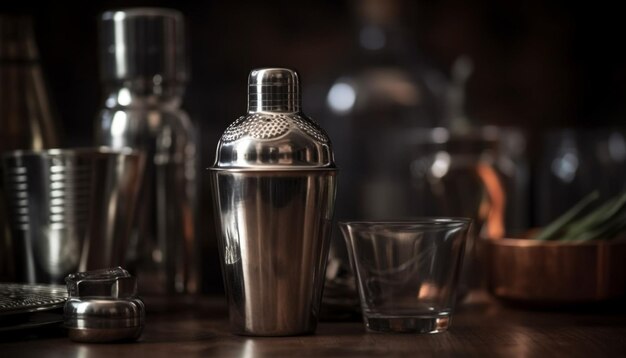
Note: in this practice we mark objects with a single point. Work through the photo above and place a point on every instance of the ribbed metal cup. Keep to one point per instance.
(274, 183)
(69, 209)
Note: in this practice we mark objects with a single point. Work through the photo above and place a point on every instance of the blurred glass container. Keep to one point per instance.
(481, 174)
(144, 72)
(575, 162)
(383, 90)
(26, 120)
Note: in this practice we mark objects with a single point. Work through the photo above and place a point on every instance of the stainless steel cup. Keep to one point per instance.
(69, 209)
(274, 188)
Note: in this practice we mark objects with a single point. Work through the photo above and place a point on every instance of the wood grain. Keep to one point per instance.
(482, 327)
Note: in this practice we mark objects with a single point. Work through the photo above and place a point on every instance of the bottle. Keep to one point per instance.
(26, 119)
(471, 170)
(381, 97)
(144, 71)
(386, 91)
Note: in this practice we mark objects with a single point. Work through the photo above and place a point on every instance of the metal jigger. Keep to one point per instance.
(274, 184)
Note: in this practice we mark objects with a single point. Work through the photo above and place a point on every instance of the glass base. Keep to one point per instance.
(404, 324)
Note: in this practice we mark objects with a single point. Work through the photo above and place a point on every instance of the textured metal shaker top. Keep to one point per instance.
(142, 43)
(274, 134)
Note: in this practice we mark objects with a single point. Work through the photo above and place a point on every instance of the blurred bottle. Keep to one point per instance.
(144, 71)
(472, 170)
(26, 120)
(385, 90)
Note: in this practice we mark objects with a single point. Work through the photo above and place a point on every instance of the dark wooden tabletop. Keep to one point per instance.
(482, 327)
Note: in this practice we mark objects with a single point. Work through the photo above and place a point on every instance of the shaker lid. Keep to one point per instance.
(275, 134)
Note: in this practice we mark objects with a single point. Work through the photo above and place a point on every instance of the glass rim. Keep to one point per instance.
(426, 221)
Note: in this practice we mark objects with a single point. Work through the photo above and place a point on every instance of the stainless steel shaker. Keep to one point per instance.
(274, 183)
(144, 72)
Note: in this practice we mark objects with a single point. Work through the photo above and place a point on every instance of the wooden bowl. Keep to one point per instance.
(553, 273)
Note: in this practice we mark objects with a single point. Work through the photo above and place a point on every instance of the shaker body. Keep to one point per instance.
(274, 235)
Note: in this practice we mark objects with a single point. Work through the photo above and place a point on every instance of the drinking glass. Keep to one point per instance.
(407, 271)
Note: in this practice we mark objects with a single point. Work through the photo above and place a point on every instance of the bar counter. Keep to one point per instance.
(198, 327)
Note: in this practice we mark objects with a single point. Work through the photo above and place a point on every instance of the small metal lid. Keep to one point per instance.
(275, 134)
(103, 306)
(142, 44)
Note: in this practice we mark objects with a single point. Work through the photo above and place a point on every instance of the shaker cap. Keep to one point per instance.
(275, 134)
(142, 43)
(273, 89)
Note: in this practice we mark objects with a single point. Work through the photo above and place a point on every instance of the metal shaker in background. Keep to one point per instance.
(274, 183)
(69, 209)
(144, 71)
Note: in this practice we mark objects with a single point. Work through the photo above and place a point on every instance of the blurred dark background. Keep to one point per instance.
(537, 65)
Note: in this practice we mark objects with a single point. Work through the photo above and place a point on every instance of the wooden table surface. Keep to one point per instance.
(199, 328)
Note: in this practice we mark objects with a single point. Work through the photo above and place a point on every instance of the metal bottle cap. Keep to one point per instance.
(103, 306)
(275, 134)
(143, 43)
(273, 90)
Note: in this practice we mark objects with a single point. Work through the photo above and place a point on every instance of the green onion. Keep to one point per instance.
(605, 221)
(550, 232)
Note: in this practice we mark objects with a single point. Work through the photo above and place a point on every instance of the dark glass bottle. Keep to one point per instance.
(384, 93)
(26, 119)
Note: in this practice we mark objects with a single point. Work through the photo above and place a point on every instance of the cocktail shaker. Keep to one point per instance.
(274, 183)
(144, 72)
